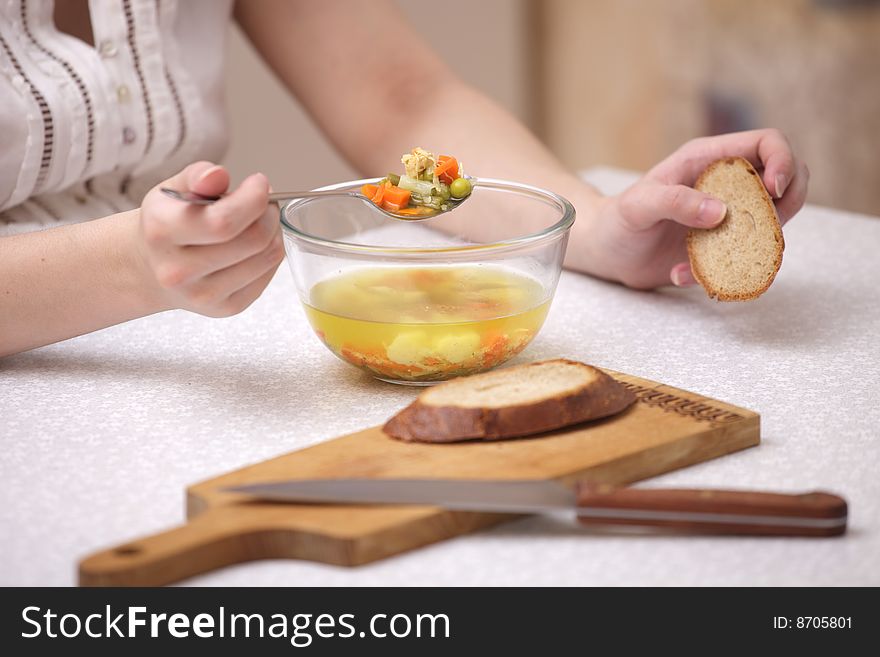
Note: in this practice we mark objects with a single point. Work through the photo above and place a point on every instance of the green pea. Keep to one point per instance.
(460, 188)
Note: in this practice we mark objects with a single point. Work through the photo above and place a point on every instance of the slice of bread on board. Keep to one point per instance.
(738, 259)
(512, 402)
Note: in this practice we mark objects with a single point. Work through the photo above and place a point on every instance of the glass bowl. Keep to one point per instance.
(417, 302)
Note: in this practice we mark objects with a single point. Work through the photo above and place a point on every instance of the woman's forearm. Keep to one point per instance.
(377, 97)
(70, 280)
(377, 90)
(491, 144)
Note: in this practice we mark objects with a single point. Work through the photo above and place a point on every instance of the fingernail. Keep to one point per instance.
(260, 177)
(711, 212)
(209, 171)
(781, 184)
(682, 277)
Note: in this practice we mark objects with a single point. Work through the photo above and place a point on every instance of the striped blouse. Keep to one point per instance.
(86, 130)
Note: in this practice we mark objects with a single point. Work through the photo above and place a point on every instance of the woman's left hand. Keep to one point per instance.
(638, 237)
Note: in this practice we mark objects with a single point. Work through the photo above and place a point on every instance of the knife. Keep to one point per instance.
(697, 510)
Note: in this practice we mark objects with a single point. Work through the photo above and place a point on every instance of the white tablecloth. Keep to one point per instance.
(101, 434)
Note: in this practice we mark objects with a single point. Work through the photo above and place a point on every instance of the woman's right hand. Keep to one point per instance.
(211, 259)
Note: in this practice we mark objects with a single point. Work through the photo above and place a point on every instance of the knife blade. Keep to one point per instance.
(703, 510)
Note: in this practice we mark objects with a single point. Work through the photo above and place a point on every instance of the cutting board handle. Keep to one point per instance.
(203, 544)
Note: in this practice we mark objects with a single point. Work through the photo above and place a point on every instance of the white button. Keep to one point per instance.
(122, 93)
(128, 135)
(107, 49)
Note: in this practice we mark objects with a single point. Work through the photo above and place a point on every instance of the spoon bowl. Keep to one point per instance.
(276, 197)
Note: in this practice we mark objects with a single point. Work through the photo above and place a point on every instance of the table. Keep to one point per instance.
(101, 434)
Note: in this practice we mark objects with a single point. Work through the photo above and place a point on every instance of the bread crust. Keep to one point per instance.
(423, 422)
(700, 274)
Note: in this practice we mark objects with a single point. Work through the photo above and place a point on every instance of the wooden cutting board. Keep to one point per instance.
(665, 429)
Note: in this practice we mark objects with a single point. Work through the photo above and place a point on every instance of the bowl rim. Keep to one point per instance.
(558, 229)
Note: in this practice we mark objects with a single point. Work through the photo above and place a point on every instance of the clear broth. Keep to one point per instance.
(428, 323)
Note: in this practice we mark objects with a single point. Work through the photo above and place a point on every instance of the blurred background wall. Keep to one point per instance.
(275, 136)
(624, 82)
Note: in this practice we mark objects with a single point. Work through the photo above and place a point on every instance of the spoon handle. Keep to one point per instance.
(274, 197)
(200, 199)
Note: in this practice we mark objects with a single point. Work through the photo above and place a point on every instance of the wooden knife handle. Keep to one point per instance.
(714, 511)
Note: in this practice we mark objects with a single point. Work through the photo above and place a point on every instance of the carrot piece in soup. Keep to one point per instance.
(417, 211)
(397, 196)
(446, 169)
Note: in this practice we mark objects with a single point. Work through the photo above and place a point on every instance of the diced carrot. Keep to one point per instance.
(369, 190)
(426, 277)
(379, 196)
(417, 211)
(488, 338)
(395, 199)
(495, 354)
(352, 357)
(397, 195)
(400, 367)
(446, 169)
(391, 368)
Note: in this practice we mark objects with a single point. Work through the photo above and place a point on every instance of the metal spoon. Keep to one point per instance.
(274, 197)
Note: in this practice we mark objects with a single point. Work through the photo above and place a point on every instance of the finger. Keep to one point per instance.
(218, 286)
(184, 179)
(170, 219)
(644, 205)
(210, 182)
(777, 158)
(766, 149)
(681, 275)
(233, 213)
(244, 297)
(795, 195)
(221, 221)
(189, 263)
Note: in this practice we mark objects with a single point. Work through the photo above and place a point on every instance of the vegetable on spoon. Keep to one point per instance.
(429, 185)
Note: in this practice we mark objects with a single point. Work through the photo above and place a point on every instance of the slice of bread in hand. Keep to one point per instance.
(516, 401)
(738, 259)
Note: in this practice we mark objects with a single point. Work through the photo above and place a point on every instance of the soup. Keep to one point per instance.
(427, 323)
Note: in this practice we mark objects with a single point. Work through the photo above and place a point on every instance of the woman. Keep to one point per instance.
(97, 109)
